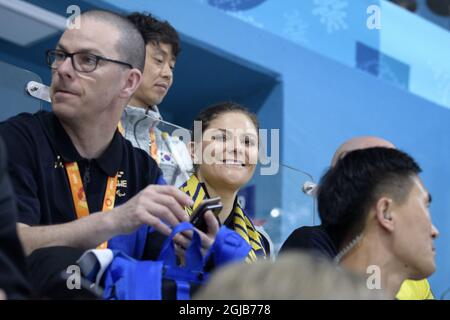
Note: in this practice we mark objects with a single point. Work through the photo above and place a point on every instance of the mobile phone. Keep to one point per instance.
(197, 217)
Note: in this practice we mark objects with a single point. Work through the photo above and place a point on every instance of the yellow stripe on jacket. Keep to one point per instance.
(241, 223)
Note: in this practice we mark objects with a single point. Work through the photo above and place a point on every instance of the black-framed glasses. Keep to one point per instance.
(81, 61)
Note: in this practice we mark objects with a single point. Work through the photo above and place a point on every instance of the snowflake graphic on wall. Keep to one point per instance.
(442, 81)
(295, 28)
(246, 18)
(331, 13)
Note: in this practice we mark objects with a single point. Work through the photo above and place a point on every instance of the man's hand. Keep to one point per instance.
(155, 206)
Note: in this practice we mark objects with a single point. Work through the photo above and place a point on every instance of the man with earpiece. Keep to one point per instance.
(374, 204)
(316, 238)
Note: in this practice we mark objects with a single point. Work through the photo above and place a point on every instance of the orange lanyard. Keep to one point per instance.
(153, 150)
(153, 146)
(79, 196)
(121, 129)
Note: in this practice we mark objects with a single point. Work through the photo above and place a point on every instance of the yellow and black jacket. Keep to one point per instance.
(237, 220)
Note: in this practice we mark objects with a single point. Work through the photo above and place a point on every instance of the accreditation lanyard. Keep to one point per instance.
(79, 196)
(153, 150)
(153, 146)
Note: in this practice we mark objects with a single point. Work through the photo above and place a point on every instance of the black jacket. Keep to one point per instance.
(12, 261)
(314, 239)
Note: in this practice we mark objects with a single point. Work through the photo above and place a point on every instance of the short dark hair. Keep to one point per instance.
(131, 46)
(156, 31)
(348, 190)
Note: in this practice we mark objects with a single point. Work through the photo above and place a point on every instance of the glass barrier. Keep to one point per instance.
(281, 203)
(14, 87)
(166, 142)
(174, 153)
(171, 154)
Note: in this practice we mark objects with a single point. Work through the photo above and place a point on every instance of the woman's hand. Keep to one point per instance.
(213, 227)
(183, 240)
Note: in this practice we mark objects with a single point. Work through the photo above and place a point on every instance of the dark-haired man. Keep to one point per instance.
(72, 162)
(375, 206)
(316, 238)
(142, 115)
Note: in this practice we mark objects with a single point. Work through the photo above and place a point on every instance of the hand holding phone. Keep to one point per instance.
(197, 217)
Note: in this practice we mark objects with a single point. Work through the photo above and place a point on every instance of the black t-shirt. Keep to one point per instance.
(12, 261)
(314, 238)
(38, 147)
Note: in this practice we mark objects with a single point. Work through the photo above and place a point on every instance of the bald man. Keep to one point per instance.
(317, 239)
(359, 143)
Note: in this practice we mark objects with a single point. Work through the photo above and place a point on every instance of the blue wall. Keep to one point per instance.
(406, 50)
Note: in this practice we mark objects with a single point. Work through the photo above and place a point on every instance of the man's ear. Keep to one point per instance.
(384, 213)
(131, 83)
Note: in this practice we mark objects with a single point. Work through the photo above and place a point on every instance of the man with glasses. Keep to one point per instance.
(72, 162)
(81, 61)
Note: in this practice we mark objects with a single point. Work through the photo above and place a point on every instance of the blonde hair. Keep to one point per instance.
(294, 276)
